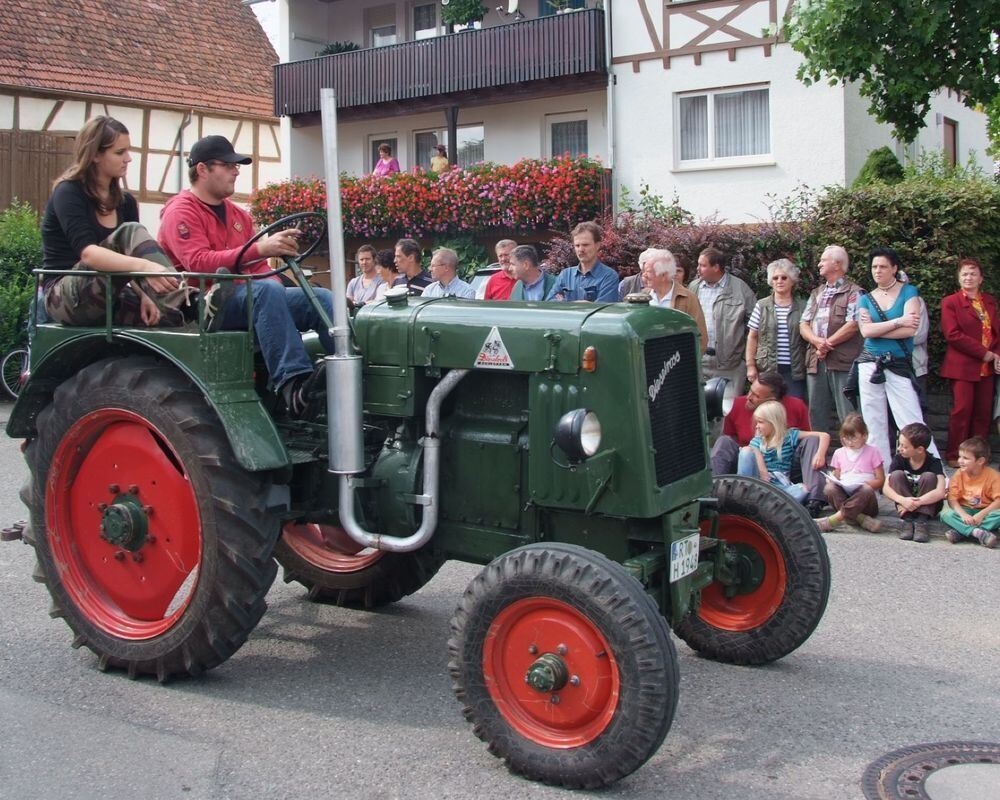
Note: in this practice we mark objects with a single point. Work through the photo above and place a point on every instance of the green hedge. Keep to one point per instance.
(20, 252)
(933, 219)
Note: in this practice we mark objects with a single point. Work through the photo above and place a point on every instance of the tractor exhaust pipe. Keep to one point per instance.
(344, 404)
(431, 445)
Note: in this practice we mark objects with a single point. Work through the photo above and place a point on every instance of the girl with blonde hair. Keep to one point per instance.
(771, 452)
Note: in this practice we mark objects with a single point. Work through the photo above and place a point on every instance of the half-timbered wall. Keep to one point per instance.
(36, 144)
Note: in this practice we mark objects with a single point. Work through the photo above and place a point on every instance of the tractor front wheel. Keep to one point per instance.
(783, 578)
(153, 542)
(564, 666)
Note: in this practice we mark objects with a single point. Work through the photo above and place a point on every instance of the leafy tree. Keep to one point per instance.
(462, 12)
(901, 52)
(993, 126)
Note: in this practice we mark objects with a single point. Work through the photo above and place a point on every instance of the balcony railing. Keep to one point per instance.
(558, 46)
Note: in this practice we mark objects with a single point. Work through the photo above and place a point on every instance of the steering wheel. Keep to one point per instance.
(279, 225)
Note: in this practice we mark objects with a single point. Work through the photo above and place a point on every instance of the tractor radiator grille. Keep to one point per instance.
(674, 407)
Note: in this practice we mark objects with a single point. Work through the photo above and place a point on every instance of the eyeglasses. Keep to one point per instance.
(224, 165)
(780, 278)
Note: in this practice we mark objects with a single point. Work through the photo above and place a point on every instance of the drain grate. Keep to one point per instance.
(902, 774)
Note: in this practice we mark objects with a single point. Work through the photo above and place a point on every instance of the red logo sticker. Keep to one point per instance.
(183, 230)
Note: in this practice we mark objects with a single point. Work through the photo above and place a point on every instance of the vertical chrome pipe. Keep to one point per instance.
(341, 331)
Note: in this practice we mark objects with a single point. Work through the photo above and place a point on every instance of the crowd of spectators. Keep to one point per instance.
(841, 359)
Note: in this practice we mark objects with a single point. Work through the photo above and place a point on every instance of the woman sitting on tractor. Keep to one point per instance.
(91, 224)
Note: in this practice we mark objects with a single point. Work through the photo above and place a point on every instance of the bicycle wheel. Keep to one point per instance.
(12, 367)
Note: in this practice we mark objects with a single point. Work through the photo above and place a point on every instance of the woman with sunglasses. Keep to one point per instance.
(773, 341)
(971, 327)
(90, 223)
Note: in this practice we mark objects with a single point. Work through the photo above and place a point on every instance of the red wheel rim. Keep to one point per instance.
(521, 633)
(328, 547)
(744, 612)
(134, 595)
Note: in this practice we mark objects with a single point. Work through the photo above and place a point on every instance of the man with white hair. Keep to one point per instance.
(634, 283)
(444, 271)
(830, 327)
(659, 274)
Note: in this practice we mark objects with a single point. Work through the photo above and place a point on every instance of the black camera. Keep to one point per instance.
(882, 362)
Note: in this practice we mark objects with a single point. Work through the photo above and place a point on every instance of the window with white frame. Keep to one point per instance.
(425, 21)
(723, 126)
(471, 146)
(380, 23)
(567, 134)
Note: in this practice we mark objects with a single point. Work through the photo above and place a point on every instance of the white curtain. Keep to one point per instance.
(742, 125)
(694, 127)
(569, 137)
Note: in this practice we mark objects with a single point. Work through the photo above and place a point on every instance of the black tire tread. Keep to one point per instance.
(628, 618)
(388, 580)
(221, 615)
(807, 566)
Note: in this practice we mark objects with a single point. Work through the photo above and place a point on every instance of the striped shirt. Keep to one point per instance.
(778, 459)
(781, 317)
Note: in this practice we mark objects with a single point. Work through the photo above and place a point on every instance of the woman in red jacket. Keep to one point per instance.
(971, 326)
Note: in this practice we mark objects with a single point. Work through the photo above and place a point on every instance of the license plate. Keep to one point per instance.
(684, 556)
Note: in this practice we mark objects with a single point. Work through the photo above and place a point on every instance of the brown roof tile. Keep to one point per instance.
(209, 54)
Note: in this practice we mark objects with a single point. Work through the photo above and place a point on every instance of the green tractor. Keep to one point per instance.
(562, 446)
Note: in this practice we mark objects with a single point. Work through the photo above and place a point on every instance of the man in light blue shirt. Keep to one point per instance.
(444, 271)
(532, 283)
(590, 279)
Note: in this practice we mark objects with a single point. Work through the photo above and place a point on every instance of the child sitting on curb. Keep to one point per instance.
(858, 467)
(974, 496)
(916, 481)
(770, 453)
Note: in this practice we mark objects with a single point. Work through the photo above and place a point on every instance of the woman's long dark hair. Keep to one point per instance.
(98, 135)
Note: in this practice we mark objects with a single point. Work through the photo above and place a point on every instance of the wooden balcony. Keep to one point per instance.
(531, 58)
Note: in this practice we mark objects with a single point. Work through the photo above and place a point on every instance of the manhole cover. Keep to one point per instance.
(941, 771)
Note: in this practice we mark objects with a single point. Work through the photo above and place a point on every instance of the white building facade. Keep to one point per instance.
(696, 97)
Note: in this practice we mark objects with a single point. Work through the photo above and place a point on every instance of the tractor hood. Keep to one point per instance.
(520, 337)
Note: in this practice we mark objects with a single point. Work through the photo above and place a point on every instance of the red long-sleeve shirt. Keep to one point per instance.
(196, 240)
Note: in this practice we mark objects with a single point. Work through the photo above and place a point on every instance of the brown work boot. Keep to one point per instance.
(907, 533)
(920, 532)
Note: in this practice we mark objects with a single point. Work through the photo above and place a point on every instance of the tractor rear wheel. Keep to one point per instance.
(153, 542)
(564, 666)
(786, 578)
(335, 569)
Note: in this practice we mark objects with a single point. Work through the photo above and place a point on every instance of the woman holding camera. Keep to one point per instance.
(971, 327)
(888, 318)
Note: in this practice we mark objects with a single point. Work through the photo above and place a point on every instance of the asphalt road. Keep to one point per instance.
(323, 702)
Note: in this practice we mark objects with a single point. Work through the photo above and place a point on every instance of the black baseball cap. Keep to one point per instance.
(216, 148)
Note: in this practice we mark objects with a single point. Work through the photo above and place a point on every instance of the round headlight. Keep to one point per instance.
(578, 434)
(719, 397)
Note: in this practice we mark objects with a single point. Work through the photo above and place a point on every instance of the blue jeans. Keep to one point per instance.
(747, 465)
(279, 314)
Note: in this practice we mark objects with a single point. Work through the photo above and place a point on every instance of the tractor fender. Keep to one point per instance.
(250, 430)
